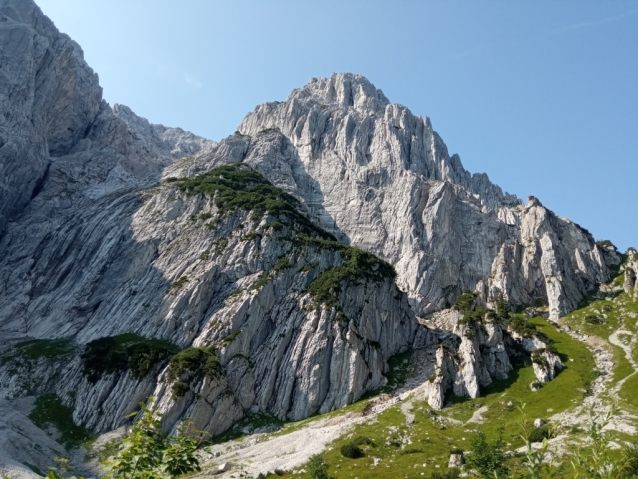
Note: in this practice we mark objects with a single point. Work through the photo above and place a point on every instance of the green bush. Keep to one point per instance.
(282, 264)
(351, 451)
(148, 453)
(358, 266)
(197, 361)
(318, 468)
(593, 319)
(220, 245)
(539, 433)
(411, 450)
(238, 186)
(465, 302)
(537, 357)
(124, 352)
(487, 456)
(177, 284)
(361, 440)
(521, 326)
(35, 349)
(249, 236)
(179, 389)
(310, 266)
(231, 337)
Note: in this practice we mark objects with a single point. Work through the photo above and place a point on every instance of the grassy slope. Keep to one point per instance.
(431, 445)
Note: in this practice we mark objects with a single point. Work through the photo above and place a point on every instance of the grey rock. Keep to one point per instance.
(456, 460)
(630, 285)
(22, 443)
(539, 422)
(94, 235)
(340, 142)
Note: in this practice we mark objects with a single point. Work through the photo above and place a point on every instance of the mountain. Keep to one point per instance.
(275, 272)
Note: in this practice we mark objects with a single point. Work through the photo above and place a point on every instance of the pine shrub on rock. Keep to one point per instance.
(351, 451)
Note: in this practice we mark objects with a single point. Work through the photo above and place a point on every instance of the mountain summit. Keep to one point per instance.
(276, 271)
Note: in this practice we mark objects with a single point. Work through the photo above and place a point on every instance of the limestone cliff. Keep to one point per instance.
(275, 271)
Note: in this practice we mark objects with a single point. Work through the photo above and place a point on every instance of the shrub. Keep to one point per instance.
(361, 440)
(537, 357)
(318, 468)
(148, 453)
(177, 284)
(310, 266)
(351, 451)
(220, 245)
(465, 302)
(194, 360)
(35, 349)
(521, 326)
(502, 313)
(411, 450)
(282, 264)
(231, 337)
(539, 433)
(487, 456)
(593, 319)
(123, 352)
(180, 389)
(249, 236)
(358, 266)
(238, 186)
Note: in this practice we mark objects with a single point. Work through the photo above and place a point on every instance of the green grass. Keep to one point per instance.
(35, 349)
(124, 352)
(50, 411)
(238, 186)
(432, 446)
(580, 320)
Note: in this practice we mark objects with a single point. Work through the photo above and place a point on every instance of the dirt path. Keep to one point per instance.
(579, 415)
(628, 349)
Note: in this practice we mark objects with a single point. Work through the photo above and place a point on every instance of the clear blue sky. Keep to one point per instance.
(541, 95)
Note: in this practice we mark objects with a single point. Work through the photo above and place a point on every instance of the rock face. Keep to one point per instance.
(411, 203)
(54, 117)
(470, 355)
(21, 442)
(630, 285)
(106, 229)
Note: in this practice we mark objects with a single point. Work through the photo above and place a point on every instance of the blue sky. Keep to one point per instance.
(541, 95)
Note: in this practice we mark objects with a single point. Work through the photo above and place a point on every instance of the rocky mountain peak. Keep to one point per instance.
(282, 266)
(343, 90)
